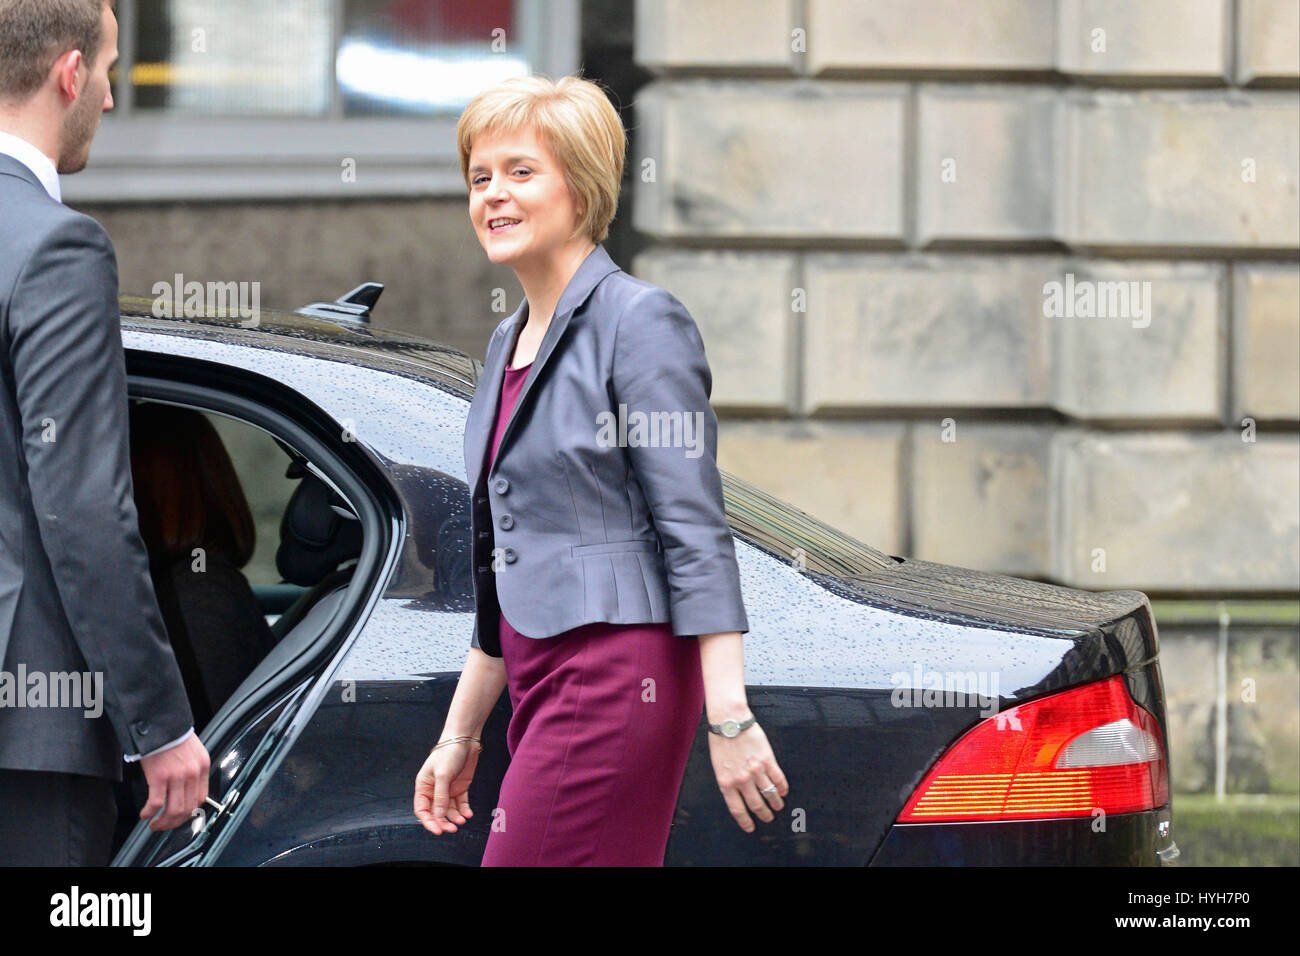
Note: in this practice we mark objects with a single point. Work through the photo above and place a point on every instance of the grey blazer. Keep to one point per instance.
(604, 502)
(75, 591)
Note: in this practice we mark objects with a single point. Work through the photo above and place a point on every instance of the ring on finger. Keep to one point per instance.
(769, 793)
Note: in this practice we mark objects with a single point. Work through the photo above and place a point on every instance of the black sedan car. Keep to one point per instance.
(924, 714)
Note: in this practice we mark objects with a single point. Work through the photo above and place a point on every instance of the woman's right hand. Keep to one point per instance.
(442, 786)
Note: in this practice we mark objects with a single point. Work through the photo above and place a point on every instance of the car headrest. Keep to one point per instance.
(314, 538)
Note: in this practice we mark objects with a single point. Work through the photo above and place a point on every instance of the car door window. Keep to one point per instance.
(253, 551)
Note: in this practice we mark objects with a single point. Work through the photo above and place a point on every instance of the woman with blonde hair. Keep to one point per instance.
(606, 587)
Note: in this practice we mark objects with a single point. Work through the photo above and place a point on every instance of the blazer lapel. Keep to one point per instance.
(487, 393)
(595, 267)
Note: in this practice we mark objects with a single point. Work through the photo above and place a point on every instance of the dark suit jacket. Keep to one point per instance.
(583, 517)
(75, 593)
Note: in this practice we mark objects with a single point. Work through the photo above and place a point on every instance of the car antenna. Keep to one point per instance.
(356, 306)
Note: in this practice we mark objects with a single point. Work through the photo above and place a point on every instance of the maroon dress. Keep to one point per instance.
(604, 716)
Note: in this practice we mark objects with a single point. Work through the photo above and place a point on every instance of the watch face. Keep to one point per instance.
(730, 728)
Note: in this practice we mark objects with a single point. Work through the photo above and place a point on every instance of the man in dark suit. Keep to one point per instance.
(88, 675)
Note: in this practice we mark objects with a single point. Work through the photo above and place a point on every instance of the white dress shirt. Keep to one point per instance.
(44, 169)
(41, 165)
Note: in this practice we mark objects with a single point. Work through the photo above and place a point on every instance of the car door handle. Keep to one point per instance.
(201, 817)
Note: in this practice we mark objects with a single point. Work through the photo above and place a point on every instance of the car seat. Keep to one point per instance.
(318, 533)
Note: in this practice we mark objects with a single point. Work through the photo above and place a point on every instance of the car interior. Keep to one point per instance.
(308, 541)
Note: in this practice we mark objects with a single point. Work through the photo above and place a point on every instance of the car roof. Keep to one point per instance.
(783, 528)
(376, 348)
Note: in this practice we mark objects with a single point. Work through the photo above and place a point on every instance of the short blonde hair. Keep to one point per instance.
(576, 121)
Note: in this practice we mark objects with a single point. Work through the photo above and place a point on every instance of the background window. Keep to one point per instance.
(238, 57)
(249, 99)
(405, 56)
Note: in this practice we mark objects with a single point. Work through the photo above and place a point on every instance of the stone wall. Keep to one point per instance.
(1010, 284)
(1231, 687)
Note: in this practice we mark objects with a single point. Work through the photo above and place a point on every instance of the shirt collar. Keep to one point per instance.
(42, 166)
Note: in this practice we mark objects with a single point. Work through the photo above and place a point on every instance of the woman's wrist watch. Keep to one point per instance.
(732, 728)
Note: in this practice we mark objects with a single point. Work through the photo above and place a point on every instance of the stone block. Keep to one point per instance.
(934, 332)
(720, 34)
(770, 160)
(1177, 513)
(1182, 171)
(993, 36)
(979, 496)
(1266, 341)
(741, 302)
(1173, 40)
(1263, 688)
(846, 475)
(986, 163)
(1139, 341)
(1268, 42)
(1188, 665)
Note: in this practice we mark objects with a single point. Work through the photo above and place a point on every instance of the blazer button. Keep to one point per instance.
(510, 556)
(501, 486)
(506, 522)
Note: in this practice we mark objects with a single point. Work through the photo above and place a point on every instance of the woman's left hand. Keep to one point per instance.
(744, 765)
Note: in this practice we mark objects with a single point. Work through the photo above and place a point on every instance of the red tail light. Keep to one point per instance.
(1064, 755)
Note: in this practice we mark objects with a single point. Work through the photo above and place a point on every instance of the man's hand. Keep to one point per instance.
(178, 783)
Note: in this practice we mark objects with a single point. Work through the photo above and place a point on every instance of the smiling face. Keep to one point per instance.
(514, 176)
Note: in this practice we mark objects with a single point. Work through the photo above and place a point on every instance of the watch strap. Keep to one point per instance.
(741, 725)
